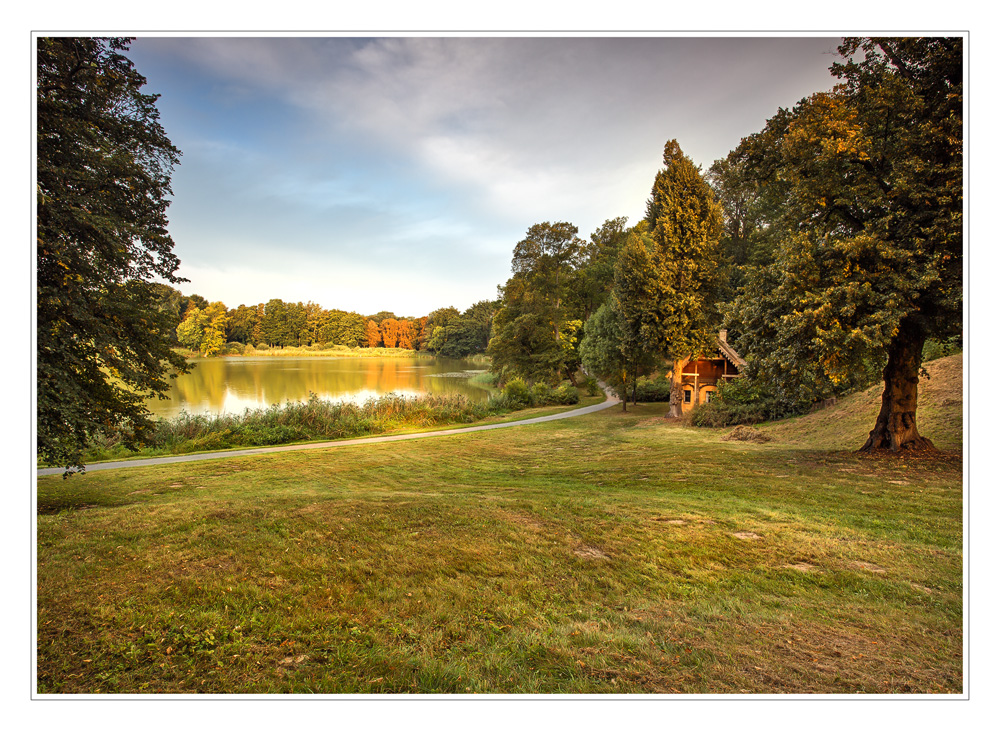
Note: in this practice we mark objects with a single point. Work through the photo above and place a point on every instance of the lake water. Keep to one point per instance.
(230, 385)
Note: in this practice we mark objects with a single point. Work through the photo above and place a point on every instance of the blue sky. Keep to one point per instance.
(398, 173)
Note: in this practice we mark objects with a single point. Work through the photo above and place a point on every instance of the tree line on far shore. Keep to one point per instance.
(212, 329)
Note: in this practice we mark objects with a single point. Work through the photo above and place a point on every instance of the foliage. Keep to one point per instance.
(596, 276)
(652, 390)
(685, 224)
(459, 336)
(204, 330)
(741, 401)
(102, 187)
(534, 332)
(871, 264)
(934, 349)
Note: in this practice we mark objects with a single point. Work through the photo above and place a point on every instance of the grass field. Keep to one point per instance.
(611, 553)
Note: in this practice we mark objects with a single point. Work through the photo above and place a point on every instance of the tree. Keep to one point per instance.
(596, 276)
(633, 297)
(213, 338)
(241, 324)
(389, 327)
(190, 329)
(274, 323)
(873, 264)
(372, 334)
(103, 180)
(535, 332)
(685, 223)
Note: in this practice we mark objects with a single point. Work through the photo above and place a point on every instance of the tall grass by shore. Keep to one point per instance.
(317, 419)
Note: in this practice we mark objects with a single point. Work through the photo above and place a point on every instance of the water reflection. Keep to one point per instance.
(220, 385)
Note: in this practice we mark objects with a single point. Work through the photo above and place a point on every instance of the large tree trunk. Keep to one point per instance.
(676, 391)
(896, 425)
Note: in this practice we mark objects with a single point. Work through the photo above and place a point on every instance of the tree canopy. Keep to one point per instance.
(535, 332)
(679, 312)
(103, 181)
(869, 264)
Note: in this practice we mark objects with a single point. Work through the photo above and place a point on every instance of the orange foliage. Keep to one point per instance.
(407, 334)
(390, 332)
(373, 333)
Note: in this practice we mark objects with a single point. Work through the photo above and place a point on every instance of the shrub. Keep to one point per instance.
(591, 386)
(517, 393)
(566, 394)
(541, 394)
(652, 390)
(740, 401)
(934, 349)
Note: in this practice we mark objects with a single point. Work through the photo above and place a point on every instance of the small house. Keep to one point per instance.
(703, 375)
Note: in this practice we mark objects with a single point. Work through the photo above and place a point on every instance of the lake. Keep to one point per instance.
(230, 385)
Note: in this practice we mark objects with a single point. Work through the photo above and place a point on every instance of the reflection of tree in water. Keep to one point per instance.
(235, 384)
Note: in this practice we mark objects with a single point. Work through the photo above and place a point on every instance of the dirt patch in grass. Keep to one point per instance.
(801, 566)
(745, 535)
(590, 552)
(746, 434)
(874, 568)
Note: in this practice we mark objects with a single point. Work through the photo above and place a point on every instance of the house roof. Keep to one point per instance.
(729, 354)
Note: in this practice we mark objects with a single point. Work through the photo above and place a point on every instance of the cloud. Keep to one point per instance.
(435, 155)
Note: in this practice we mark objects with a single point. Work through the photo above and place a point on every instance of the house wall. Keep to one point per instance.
(704, 375)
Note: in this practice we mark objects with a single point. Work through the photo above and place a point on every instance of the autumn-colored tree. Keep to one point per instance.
(373, 334)
(213, 338)
(389, 328)
(407, 335)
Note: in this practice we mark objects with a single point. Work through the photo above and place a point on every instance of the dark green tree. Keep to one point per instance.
(536, 330)
(872, 266)
(240, 325)
(596, 275)
(680, 307)
(274, 323)
(103, 181)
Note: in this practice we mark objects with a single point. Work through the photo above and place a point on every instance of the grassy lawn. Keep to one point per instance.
(609, 553)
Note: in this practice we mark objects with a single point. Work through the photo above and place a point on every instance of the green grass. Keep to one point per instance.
(611, 553)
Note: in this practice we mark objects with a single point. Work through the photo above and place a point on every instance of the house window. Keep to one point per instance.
(709, 396)
(687, 396)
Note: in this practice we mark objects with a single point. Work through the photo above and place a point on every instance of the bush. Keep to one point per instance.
(541, 394)
(652, 390)
(566, 394)
(591, 386)
(517, 393)
(741, 402)
(934, 349)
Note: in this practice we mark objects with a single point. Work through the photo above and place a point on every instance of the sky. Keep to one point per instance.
(398, 173)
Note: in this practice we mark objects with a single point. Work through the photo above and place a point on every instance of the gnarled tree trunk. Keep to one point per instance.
(896, 425)
(676, 390)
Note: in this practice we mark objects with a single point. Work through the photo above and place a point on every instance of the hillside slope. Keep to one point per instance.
(846, 424)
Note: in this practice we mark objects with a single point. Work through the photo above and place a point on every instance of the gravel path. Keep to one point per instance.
(609, 402)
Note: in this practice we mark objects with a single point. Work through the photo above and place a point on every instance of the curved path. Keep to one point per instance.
(609, 402)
